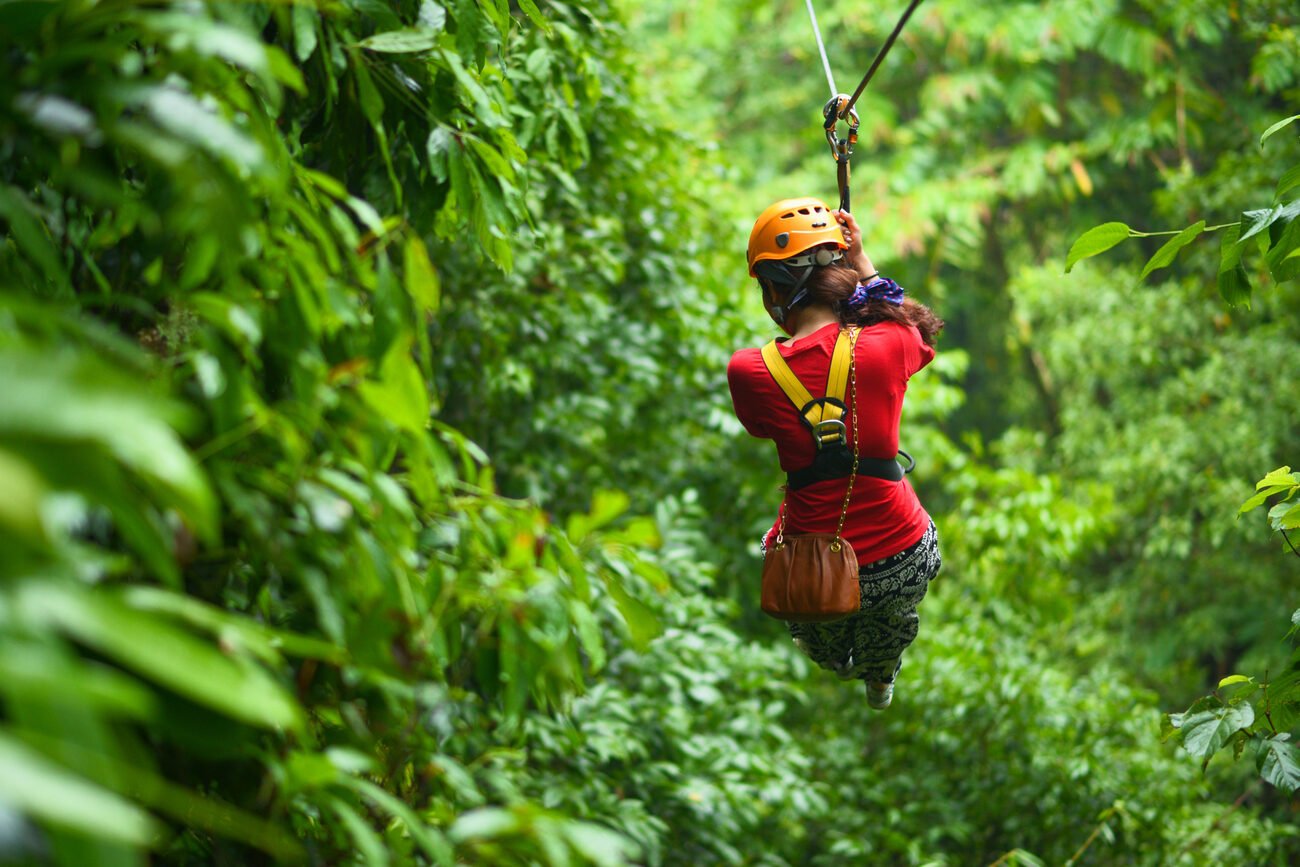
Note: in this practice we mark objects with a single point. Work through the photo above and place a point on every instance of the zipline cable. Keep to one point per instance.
(840, 106)
(826, 64)
(880, 55)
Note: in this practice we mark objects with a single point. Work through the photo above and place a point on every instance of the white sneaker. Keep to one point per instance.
(879, 696)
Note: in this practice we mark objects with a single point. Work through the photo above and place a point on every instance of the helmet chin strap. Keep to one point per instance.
(782, 272)
(797, 296)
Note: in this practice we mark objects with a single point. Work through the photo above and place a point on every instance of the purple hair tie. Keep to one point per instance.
(857, 299)
(877, 289)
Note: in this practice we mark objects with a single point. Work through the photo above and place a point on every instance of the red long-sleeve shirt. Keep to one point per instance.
(884, 517)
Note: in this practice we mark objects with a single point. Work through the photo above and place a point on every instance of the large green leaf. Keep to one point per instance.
(430, 840)
(422, 281)
(599, 845)
(154, 648)
(1289, 181)
(496, 164)
(365, 841)
(642, 624)
(1205, 732)
(1281, 124)
(20, 508)
(1280, 477)
(1165, 255)
(534, 14)
(1283, 265)
(1256, 221)
(1233, 283)
(49, 793)
(202, 35)
(485, 823)
(49, 673)
(193, 121)
(1278, 762)
(408, 41)
(1096, 240)
(69, 401)
(1285, 516)
(31, 235)
(399, 394)
(1276, 482)
(606, 505)
(305, 36)
(238, 631)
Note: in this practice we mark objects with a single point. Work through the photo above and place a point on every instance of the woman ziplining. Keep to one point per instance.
(819, 285)
(847, 501)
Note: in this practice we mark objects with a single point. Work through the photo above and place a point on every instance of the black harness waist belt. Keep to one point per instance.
(837, 463)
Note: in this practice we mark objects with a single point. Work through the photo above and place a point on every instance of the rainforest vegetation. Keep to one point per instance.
(370, 492)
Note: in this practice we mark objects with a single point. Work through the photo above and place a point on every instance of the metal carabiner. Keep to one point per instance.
(833, 112)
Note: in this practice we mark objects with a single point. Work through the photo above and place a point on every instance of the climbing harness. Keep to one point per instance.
(840, 106)
(824, 417)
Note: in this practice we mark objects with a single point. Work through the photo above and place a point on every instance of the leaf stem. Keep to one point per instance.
(1086, 843)
(1289, 543)
(1268, 704)
(1134, 233)
(230, 437)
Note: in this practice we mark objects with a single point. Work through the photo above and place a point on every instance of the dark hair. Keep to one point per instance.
(833, 284)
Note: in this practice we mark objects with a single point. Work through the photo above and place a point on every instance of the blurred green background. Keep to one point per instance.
(370, 493)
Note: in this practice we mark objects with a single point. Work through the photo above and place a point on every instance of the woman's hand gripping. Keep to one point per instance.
(855, 255)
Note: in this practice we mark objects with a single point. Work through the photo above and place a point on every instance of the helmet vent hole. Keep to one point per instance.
(804, 211)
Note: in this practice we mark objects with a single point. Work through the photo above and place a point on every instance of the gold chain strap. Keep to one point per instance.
(853, 409)
(780, 531)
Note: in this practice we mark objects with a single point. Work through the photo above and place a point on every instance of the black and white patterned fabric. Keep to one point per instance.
(869, 645)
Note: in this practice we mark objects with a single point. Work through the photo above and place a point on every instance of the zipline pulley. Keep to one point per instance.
(840, 106)
(841, 148)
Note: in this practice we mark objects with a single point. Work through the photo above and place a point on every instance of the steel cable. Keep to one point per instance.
(821, 46)
(880, 55)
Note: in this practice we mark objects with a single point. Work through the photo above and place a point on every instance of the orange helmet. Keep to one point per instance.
(792, 227)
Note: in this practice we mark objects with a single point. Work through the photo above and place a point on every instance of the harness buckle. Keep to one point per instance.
(830, 432)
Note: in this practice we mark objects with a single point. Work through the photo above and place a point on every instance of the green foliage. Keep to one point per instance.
(1275, 230)
(372, 493)
(220, 359)
(1154, 411)
(1283, 515)
(1213, 724)
(1246, 712)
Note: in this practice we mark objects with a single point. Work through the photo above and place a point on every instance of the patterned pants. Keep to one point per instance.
(870, 644)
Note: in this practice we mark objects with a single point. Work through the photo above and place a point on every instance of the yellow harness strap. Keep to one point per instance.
(815, 411)
(837, 379)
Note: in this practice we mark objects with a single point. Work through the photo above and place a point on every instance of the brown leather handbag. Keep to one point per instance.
(813, 577)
